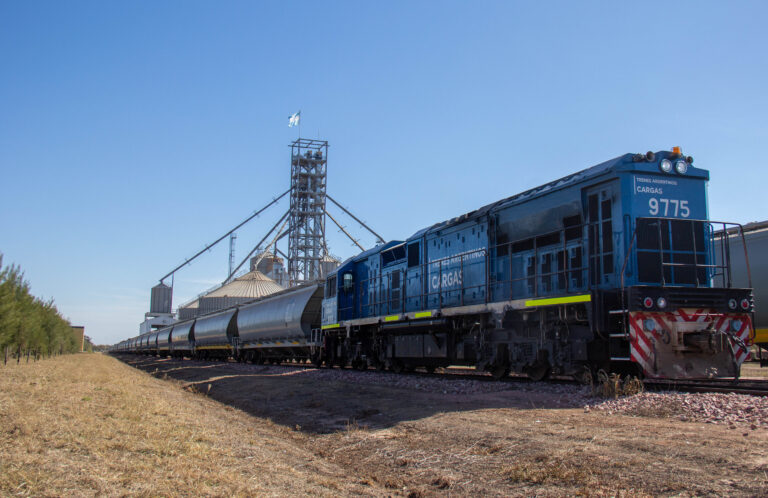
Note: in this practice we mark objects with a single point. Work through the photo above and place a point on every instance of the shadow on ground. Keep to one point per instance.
(323, 401)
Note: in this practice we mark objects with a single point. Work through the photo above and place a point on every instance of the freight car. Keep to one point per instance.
(275, 328)
(756, 238)
(614, 268)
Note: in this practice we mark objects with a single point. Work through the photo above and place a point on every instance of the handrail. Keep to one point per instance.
(724, 249)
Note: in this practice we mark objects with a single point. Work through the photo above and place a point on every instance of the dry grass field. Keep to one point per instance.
(88, 424)
(93, 425)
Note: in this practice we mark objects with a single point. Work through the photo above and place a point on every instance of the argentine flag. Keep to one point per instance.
(293, 119)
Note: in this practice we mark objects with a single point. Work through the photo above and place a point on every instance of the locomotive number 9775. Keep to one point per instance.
(668, 207)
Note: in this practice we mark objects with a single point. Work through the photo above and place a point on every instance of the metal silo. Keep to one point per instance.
(161, 299)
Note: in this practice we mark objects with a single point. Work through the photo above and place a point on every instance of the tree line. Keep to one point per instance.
(30, 325)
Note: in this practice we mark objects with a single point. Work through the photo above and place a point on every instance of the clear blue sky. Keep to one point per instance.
(132, 133)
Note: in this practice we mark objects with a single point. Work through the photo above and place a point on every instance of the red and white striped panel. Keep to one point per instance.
(642, 341)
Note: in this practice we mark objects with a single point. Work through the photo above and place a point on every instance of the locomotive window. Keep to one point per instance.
(330, 287)
(606, 209)
(561, 261)
(546, 269)
(600, 237)
(608, 263)
(678, 256)
(592, 206)
(413, 254)
(348, 282)
(607, 237)
(647, 234)
(523, 245)
(572, 226)
(531, 272)
(395, 291)
(545, 240)
(395, 254)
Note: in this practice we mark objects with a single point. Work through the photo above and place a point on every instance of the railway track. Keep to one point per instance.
(752, 387)
(741, 386)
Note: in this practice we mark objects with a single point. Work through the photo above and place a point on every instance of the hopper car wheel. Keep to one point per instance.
(380, 366)
(430, 369)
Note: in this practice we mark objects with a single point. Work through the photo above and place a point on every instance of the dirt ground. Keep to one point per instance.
(85, 425)
(514, 441)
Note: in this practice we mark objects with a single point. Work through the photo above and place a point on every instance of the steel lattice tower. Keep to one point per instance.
(306, 241)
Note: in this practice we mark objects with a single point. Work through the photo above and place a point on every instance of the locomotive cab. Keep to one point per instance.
(681, 314)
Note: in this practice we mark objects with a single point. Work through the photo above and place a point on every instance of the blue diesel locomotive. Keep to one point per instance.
(614, 268)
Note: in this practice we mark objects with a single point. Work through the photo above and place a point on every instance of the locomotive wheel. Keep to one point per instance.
(317, 360)
(498, 372)
(538, 371)
(585, 377)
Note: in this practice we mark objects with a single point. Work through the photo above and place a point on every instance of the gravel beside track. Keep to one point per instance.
(713, 408)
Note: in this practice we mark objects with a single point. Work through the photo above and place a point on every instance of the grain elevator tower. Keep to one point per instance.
(306, 239)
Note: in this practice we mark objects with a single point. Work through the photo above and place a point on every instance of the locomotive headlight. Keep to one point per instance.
(735, 325)
(665, 165)
(681, 167)
(649, 325)
(661, 303)
(732, 304)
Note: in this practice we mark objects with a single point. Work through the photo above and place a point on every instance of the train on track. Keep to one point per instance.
(616, 268)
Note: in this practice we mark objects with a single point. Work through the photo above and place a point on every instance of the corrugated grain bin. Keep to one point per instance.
(161, 299)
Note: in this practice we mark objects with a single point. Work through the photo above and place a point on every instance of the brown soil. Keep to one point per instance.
(512, 442)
